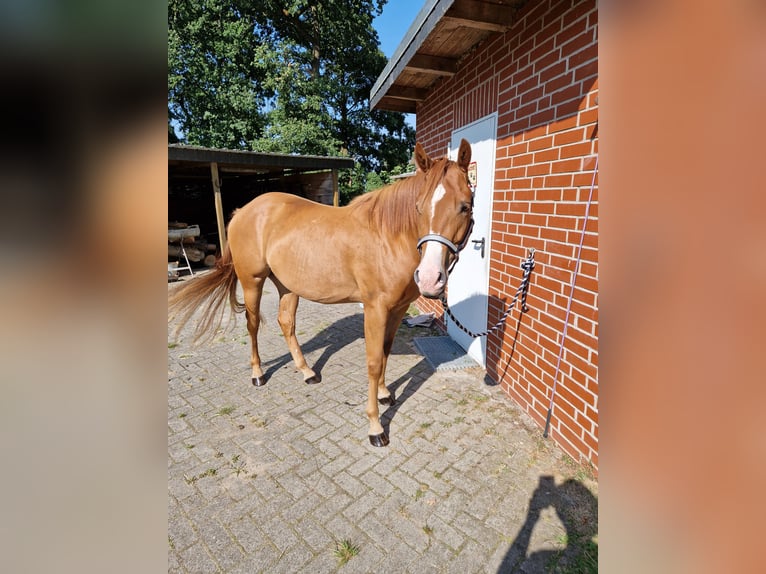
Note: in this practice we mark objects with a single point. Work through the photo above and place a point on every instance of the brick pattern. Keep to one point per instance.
(542, 79)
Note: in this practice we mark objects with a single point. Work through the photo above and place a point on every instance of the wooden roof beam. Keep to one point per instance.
(398, 105)
(432, 65)
(492, 17)
(407, 93)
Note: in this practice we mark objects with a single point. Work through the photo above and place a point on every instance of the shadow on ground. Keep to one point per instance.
(347, 330)
(331, 339)
(577, 509)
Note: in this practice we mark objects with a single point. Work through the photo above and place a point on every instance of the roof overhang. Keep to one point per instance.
(237, 161)
(443, 33)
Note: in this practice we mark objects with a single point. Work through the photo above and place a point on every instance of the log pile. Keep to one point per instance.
(197, 249)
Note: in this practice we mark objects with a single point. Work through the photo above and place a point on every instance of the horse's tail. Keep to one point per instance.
(208, 294)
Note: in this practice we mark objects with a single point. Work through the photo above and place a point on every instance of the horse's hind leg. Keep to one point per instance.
(252, 288)
(288, 306)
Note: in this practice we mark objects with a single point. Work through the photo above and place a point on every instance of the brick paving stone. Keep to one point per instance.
(432, 559)
(182, 534)
(361, 507)
(314, 534)
(369, 559)
(471, 558)
(324, 562)
(295, 474)
(292, 560)
(247, 535)
(374, 481)
(197, 559)
(445, 533)
(260, 560)
(174, 564)
(276, 530)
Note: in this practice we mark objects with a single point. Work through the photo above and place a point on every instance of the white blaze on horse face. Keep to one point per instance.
(438, 195)
(431, 275)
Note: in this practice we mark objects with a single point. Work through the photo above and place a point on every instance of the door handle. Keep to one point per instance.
(479, 242)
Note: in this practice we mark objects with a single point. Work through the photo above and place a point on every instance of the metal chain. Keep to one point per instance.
(527, 265)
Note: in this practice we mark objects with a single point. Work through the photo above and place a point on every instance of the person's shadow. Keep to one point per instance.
(577, 509)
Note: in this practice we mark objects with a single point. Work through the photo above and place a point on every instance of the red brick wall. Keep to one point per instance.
(542, 79)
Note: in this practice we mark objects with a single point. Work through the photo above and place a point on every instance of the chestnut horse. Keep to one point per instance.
(384, 250)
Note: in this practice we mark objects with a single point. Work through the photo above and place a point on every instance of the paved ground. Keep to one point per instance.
(278, 478)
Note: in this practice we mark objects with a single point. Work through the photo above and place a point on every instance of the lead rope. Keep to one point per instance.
(527, 265)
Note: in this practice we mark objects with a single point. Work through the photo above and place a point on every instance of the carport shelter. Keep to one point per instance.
(206, 185)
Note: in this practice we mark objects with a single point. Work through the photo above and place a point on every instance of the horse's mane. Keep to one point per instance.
(393, 208)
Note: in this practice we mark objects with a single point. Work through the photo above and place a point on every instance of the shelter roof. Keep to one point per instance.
(238, 161)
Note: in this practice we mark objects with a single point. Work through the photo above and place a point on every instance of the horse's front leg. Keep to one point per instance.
(375, 320)
(393, 321)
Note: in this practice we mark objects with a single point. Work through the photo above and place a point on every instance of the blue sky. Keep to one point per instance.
(393, 23)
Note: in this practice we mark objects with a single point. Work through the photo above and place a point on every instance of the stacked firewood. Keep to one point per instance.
(197, 249)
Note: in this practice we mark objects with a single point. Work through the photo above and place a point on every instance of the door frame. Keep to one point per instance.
(477, 348)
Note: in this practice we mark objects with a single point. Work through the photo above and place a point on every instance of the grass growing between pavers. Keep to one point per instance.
(196, 477)
(345, 550)
(582, 557)
(580, 554)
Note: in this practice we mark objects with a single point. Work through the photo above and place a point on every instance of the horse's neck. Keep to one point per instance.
(398, 234)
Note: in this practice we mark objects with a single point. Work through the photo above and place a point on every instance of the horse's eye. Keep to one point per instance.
(464, 207)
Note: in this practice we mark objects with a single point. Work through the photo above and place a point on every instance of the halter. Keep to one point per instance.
(455, 249)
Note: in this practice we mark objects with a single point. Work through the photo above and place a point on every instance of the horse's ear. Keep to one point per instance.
(422, 161)
(464, 155)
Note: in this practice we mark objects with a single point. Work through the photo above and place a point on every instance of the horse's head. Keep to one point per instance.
(445, 204)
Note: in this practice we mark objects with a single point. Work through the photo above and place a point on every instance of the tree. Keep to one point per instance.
(291, 76)
(213, 86)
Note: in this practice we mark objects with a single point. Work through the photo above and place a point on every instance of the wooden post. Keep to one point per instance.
(335, 194)
(218, 205)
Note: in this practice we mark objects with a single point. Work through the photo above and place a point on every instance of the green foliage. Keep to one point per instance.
(288, 76)
(213, 87)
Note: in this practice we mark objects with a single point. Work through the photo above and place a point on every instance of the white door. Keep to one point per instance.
(467, 293)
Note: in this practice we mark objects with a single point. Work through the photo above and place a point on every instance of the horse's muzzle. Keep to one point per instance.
(431, 275)
(430, 284)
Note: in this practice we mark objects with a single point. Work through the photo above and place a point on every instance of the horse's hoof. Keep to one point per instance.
(313, 380)
(379, 439)
(389, 400)
(259, 381)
